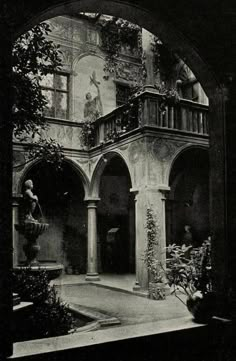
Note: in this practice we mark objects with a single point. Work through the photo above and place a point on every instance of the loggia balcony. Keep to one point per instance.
(147, 110)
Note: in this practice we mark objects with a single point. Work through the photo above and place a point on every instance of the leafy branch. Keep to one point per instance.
(33, 57)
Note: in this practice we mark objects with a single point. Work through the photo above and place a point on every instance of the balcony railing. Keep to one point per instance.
(147, 110)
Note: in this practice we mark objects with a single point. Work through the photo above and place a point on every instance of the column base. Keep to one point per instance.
(136, 286)
(92, 277)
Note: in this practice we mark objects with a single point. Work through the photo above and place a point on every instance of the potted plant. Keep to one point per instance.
(156, 286)
(189, 272)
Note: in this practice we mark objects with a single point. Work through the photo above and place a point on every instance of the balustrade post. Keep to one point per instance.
(195, 122)
(171, 117)
(190, 120)
(200, 123)
(146, 111)
(183, 119)
(165, 117)
(101, 132)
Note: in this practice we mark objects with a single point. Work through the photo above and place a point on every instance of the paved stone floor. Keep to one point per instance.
(112, 295)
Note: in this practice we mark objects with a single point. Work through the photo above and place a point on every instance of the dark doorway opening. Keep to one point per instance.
(116, 219)
(188, 201)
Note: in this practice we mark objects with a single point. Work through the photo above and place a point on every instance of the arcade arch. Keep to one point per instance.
(188, 199)
(116, 217)
(61, 196)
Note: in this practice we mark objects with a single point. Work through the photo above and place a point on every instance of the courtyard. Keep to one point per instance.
(113, 295)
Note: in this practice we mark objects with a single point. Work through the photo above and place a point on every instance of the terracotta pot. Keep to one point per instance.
(157, 291)
(201, 306)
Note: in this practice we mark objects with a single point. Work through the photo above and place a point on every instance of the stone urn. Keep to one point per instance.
(31, 231)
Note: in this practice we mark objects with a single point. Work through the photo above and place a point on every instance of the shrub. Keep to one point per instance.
(48, 316)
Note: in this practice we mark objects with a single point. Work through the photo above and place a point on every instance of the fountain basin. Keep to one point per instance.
(53, 270)
(32, 229)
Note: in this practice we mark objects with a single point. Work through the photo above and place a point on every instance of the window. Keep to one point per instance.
(55, 88)
(122, 94)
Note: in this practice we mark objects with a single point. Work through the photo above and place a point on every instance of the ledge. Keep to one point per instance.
(77, 341)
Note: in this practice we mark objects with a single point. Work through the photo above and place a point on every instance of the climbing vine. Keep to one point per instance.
(116, 33)
(156, 49)
(153, 240)
(87, 135)
(169, 96)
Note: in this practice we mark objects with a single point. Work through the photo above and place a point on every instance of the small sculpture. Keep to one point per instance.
(187, 236)
(30, 200)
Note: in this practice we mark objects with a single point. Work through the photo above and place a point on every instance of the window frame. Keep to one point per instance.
(125, 85)
(55, 91)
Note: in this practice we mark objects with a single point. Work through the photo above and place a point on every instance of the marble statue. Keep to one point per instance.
(31, 201)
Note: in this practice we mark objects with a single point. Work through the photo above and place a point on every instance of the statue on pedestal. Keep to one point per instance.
(30, 200)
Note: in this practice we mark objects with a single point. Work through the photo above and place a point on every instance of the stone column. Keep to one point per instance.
(15, 220)
(138, 245)
(164, 190)
(92, 261)
(6, 309)
(148, 197)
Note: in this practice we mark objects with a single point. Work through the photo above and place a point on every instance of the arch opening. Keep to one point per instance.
(116, 219)
(61, 198)
(188, 200)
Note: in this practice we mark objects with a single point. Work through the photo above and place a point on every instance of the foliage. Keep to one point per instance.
(87, 135)
(115, 33)
(156, 46)
(126, 120)
(47, 150)
(34, 56)
(189, 269)
(48, 316)
(150, 257)
(169, 97)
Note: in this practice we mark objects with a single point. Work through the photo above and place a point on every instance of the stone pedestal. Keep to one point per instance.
(31, 231)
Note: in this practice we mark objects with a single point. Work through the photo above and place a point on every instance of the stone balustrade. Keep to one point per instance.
(147, 109)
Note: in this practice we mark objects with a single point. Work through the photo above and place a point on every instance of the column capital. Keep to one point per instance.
(16, 198)
(163, 189)
(92, 199)
(134, 190)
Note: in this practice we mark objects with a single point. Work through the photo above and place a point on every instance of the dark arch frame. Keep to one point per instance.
(98, 171)
(155, 23)
(78, 171)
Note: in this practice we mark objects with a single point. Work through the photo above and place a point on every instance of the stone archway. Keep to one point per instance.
(61, 196)
(188, 200)
(116, 217)
(30, 14)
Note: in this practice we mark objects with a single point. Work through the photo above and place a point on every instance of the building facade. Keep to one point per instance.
(122, 155)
